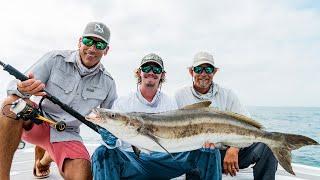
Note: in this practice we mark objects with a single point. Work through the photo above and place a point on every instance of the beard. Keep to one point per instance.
(203, 83)
(150, 85)
(150, 80)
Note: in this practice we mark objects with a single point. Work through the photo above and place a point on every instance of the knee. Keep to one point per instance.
(99, 152)
(262, 150)
(77, 169)
(9, 100)
(102, 153)
(6, 104)
(7, 117)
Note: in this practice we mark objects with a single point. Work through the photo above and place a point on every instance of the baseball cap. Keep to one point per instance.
(98, 30)
(152, 57)
(202, 58)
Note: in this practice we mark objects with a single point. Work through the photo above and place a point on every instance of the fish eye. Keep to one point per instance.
(113, 115)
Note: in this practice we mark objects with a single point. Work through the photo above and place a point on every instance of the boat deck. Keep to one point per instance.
(24, 159)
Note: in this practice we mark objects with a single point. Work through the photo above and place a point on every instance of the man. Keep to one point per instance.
(203, 88)
(114, 162)
(79, 80)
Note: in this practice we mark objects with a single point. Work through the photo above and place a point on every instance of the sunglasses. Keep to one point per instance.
(89, 42)
(207, 69)
(148, 68)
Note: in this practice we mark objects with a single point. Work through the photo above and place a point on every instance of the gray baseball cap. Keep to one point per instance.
(98, 30)
(152, 57)
(202, 58)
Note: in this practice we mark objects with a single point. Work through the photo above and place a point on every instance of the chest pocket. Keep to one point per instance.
(63, 81)
(92, 92)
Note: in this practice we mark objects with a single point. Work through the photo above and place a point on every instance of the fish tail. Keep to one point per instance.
(282, 151)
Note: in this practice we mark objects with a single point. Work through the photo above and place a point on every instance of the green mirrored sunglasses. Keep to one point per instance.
(101, 45)
(148, 68)
(200, 69)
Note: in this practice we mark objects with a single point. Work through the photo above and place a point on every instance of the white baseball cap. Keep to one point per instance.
(202, 58)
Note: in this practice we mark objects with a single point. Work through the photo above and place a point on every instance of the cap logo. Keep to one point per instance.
(98, 28)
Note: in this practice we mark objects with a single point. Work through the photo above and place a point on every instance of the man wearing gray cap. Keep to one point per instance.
(78, 79)
(116, 159)
(202, 72)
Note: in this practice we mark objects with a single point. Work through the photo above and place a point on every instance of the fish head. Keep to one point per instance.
(106, 116)
(115, 122)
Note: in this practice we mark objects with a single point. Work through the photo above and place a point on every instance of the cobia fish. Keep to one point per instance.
(189, 128)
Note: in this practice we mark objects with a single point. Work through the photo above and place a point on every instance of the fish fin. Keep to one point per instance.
(136, 151)
(283, 155)
(295, 141)
(147, 133)
(241, 118)
(282, 152)
(199, 105)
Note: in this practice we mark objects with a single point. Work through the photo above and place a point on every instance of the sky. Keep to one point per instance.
(267, 51)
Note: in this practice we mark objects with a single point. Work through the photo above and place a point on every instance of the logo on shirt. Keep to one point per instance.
(98, 28)
(90, 90)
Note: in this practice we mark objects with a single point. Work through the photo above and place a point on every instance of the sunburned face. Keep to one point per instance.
(203, 77)
(90, 55)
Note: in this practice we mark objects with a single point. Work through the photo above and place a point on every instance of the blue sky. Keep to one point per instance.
(267, 51)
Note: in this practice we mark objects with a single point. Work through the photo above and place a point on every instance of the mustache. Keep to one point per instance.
(203, 78)
(150, 75)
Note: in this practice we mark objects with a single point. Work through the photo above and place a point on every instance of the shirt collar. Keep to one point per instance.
(153, 103)
(207, 96)
(76, 56)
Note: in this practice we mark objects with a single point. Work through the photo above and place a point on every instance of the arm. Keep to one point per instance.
(38, 75)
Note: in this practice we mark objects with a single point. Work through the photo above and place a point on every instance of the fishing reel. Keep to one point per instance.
(26, 112)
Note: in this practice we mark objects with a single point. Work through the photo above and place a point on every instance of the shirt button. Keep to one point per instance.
(85, 98)
(66, 91)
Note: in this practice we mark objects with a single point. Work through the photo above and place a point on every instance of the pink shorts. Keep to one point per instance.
(59, 151)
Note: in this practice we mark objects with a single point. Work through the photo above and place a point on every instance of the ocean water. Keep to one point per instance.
(297, 120)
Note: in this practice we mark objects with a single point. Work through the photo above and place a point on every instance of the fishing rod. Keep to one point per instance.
(18, 75)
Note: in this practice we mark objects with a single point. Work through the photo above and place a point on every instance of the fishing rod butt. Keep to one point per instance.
(2, 64)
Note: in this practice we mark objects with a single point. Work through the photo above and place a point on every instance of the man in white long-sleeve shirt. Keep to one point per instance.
(121, 162)
(203, 88)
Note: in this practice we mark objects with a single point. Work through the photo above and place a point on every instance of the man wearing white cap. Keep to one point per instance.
(76, 78)
(112, 162)
(203, 88)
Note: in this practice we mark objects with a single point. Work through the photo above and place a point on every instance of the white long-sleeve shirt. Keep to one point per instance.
(135, 102)
(221, 98)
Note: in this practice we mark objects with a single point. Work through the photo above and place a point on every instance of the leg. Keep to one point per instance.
(71, 157)
(10, 133)
(207, 163)
(265, 163)
(117, 164)
(78, 169)
(42, 163)
(105, 164)
(259, 154)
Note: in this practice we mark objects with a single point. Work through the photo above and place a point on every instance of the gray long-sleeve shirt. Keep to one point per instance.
(57, 69)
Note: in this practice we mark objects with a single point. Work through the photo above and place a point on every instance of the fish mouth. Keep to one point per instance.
(93, 116)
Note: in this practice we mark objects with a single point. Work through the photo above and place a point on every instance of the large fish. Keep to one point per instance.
(189, 128)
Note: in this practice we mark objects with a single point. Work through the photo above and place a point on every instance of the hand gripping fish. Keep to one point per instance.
(189, 128)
